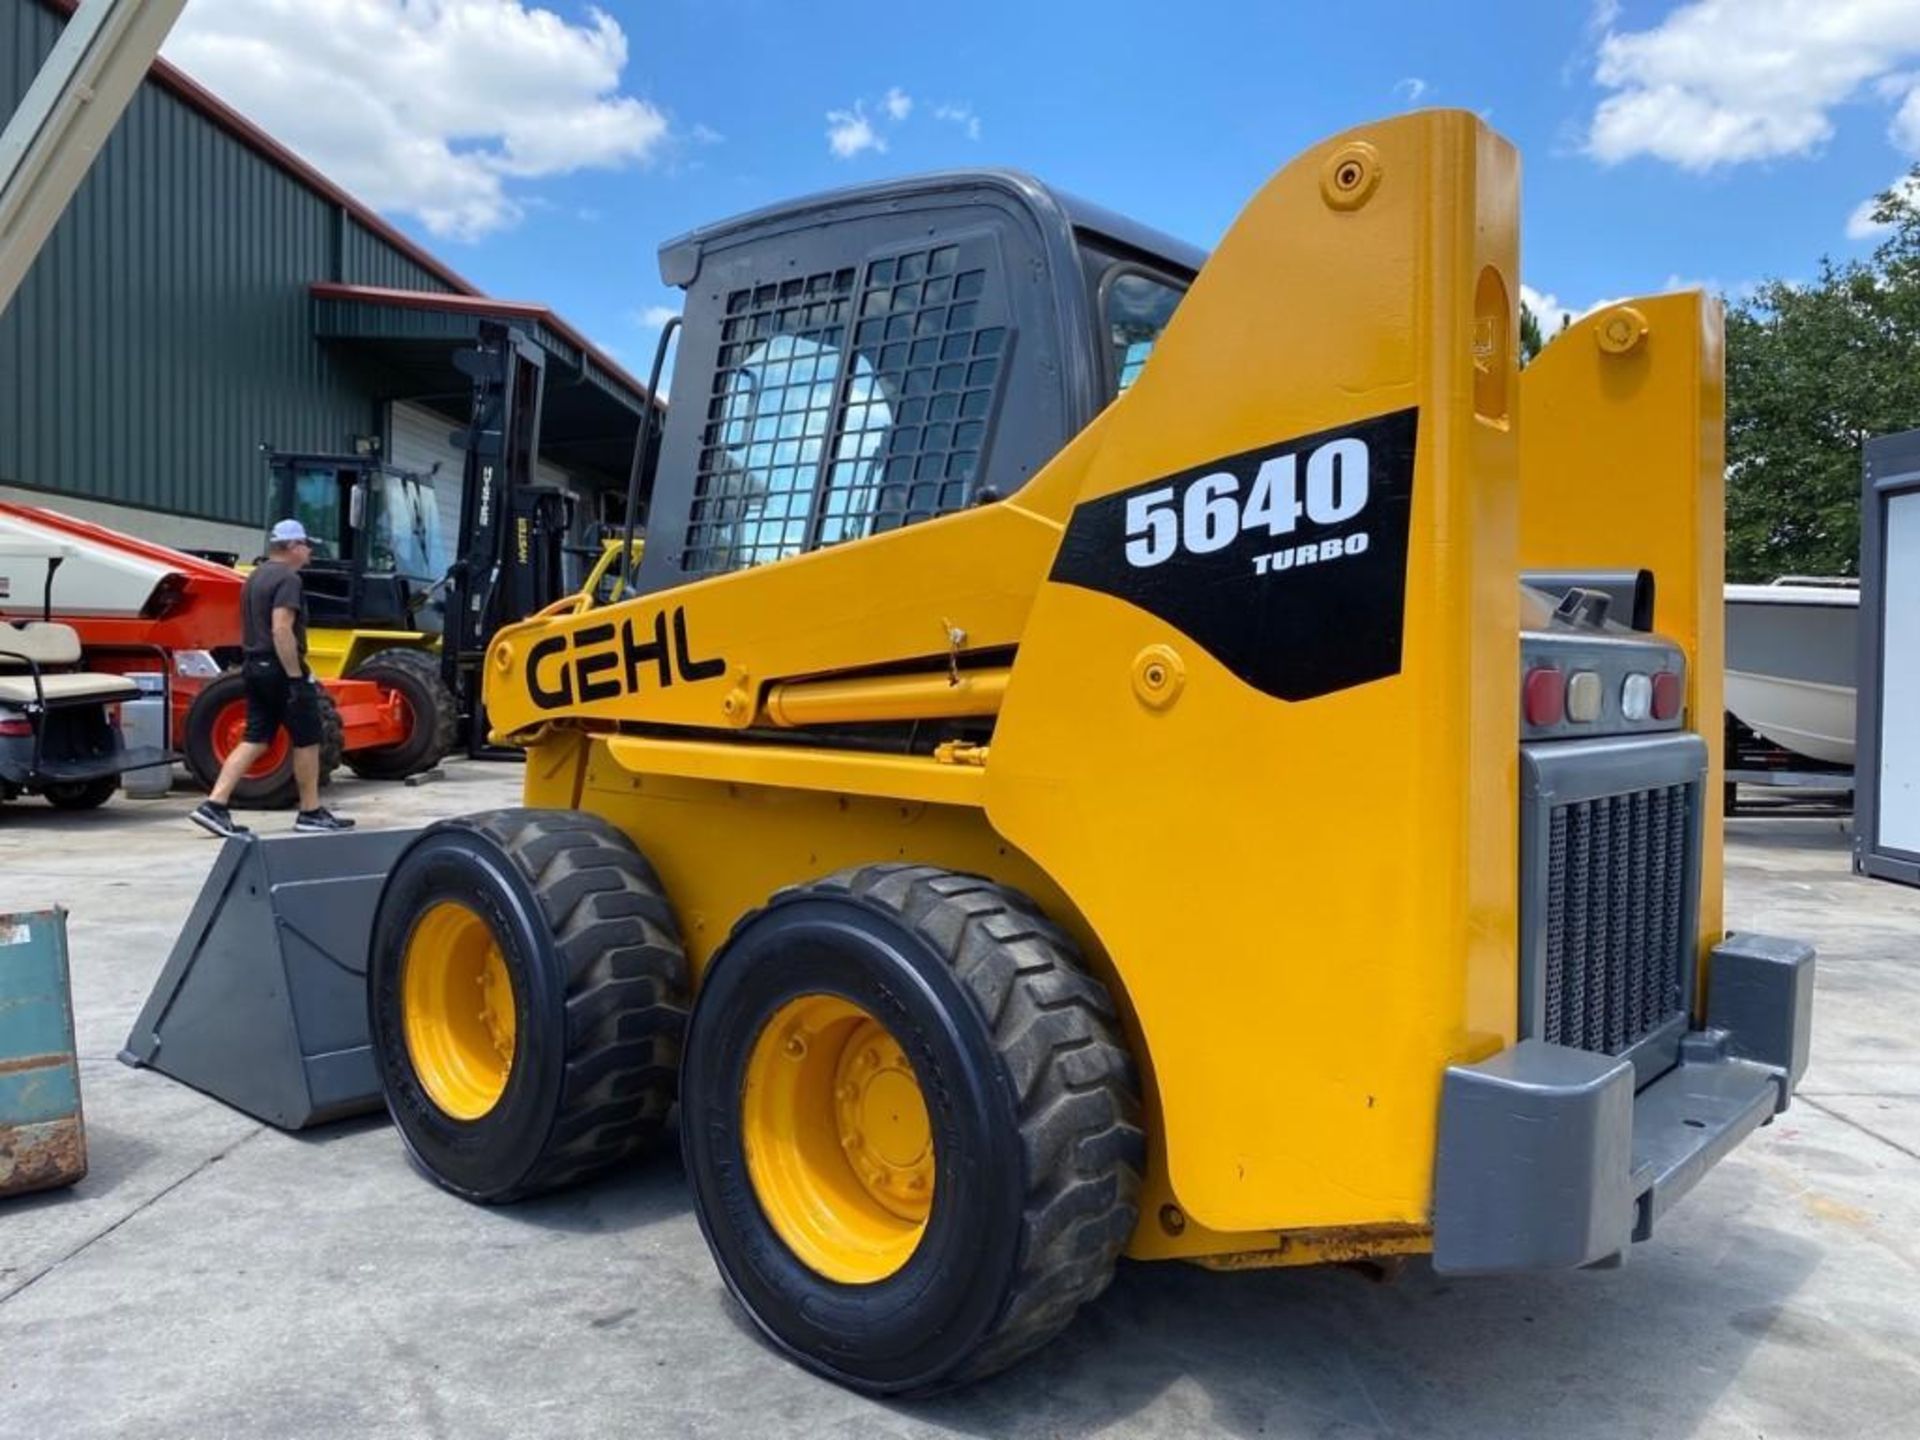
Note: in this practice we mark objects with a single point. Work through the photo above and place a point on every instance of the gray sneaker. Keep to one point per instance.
(320, 822)
(217, 820)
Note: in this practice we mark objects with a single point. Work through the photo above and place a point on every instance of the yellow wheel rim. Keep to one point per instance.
(456, 1001)
(838, 1143)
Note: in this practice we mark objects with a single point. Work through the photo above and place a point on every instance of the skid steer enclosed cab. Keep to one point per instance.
(1082, 752)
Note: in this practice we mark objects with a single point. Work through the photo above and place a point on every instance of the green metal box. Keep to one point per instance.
(43, 1140)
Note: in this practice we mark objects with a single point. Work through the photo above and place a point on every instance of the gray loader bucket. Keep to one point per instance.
(263, 1002)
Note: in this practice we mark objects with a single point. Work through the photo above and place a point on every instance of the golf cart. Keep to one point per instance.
(57, 734)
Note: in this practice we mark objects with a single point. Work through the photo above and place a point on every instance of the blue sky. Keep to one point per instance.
(545, 150)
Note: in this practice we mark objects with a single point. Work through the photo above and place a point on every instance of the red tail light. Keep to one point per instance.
(1666, 695)
(1544, 696)
(13, 729)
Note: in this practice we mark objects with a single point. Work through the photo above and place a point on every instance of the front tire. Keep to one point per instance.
(1024, 1090)
(527, 997)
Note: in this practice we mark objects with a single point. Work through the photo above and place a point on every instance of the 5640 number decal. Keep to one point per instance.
(1287, 563)
(1210, 513)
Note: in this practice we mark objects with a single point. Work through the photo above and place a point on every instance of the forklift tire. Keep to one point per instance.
(82, 794)
(434, 713)
(566, 1067)
(214, 725)
(911, 1125)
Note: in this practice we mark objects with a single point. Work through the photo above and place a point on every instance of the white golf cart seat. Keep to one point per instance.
(51, 645)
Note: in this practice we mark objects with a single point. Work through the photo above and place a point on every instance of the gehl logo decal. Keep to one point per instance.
(598, 662)
(1287, 563)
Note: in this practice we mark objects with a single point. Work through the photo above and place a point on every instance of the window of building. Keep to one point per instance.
(1137, 308)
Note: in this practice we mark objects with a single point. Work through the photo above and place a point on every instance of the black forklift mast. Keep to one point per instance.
(509, 561)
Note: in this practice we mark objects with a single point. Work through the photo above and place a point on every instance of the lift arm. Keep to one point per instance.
(67, 115)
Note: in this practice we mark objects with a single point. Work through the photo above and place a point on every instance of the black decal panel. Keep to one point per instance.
(1288, 564)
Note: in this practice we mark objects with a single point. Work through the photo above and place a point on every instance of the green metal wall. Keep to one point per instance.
(165, 331)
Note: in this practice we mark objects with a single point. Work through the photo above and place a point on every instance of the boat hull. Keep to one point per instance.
(1791, 666)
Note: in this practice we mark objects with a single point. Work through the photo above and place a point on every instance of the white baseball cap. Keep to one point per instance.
(288, 532)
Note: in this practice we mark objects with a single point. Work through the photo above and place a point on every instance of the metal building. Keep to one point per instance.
(207, 293)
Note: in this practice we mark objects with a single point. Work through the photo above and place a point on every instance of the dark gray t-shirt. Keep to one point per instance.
(272, 586)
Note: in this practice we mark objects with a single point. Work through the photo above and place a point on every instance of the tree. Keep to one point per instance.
(1813, 371)
(1530, 339)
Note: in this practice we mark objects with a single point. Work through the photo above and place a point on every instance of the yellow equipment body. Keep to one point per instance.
(1198, 757)
(1306, 909)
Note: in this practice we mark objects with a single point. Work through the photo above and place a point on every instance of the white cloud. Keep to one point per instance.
(705, 135)
(1719, 82)
(1904, 130)
(849, 132)
(426, 108)
(654, 316)
(898, 104)
(1410, 89)
(961, 115)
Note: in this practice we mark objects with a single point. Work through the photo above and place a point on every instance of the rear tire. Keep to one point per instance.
(211, 725)
(1030, 1098)
(415, 674)
(82, 794)
(598, 983)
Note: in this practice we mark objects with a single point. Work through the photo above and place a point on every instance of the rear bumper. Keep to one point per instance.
(1548, 1158)
(17, 768)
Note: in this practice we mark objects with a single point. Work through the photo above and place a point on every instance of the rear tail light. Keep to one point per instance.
(13, 728)
(1666, 695)
(1636, 697)
(1544, 696)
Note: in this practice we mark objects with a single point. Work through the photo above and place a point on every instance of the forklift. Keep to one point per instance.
(395, 635)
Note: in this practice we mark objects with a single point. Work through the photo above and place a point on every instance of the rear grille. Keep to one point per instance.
(1616, 888)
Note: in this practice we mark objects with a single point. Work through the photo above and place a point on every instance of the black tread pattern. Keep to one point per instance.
(333, 742)
(626, 986)
(396, 762)
(1058, 1034)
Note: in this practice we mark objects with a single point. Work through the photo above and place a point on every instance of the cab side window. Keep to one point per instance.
(1136, 308)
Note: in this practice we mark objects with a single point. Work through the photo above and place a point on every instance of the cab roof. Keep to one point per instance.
(1051, 209)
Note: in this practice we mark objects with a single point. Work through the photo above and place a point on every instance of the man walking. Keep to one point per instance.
(280, 692)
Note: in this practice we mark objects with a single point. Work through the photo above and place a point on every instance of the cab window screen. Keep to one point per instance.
(840, 410)
(1138, 307)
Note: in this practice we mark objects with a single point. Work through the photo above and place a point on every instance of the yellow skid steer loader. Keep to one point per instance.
(1115, 750)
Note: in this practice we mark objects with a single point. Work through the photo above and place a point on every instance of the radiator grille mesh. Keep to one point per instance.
(1617, 875)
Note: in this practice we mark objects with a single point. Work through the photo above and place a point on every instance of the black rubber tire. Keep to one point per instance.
(436, 715)
(599, 986)
(275, 791)
(1030, 1092)
(82, 794)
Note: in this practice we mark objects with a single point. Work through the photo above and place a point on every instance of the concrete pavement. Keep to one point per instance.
(212, 1277)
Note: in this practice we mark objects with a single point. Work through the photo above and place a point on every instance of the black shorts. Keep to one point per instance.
(274, 699)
